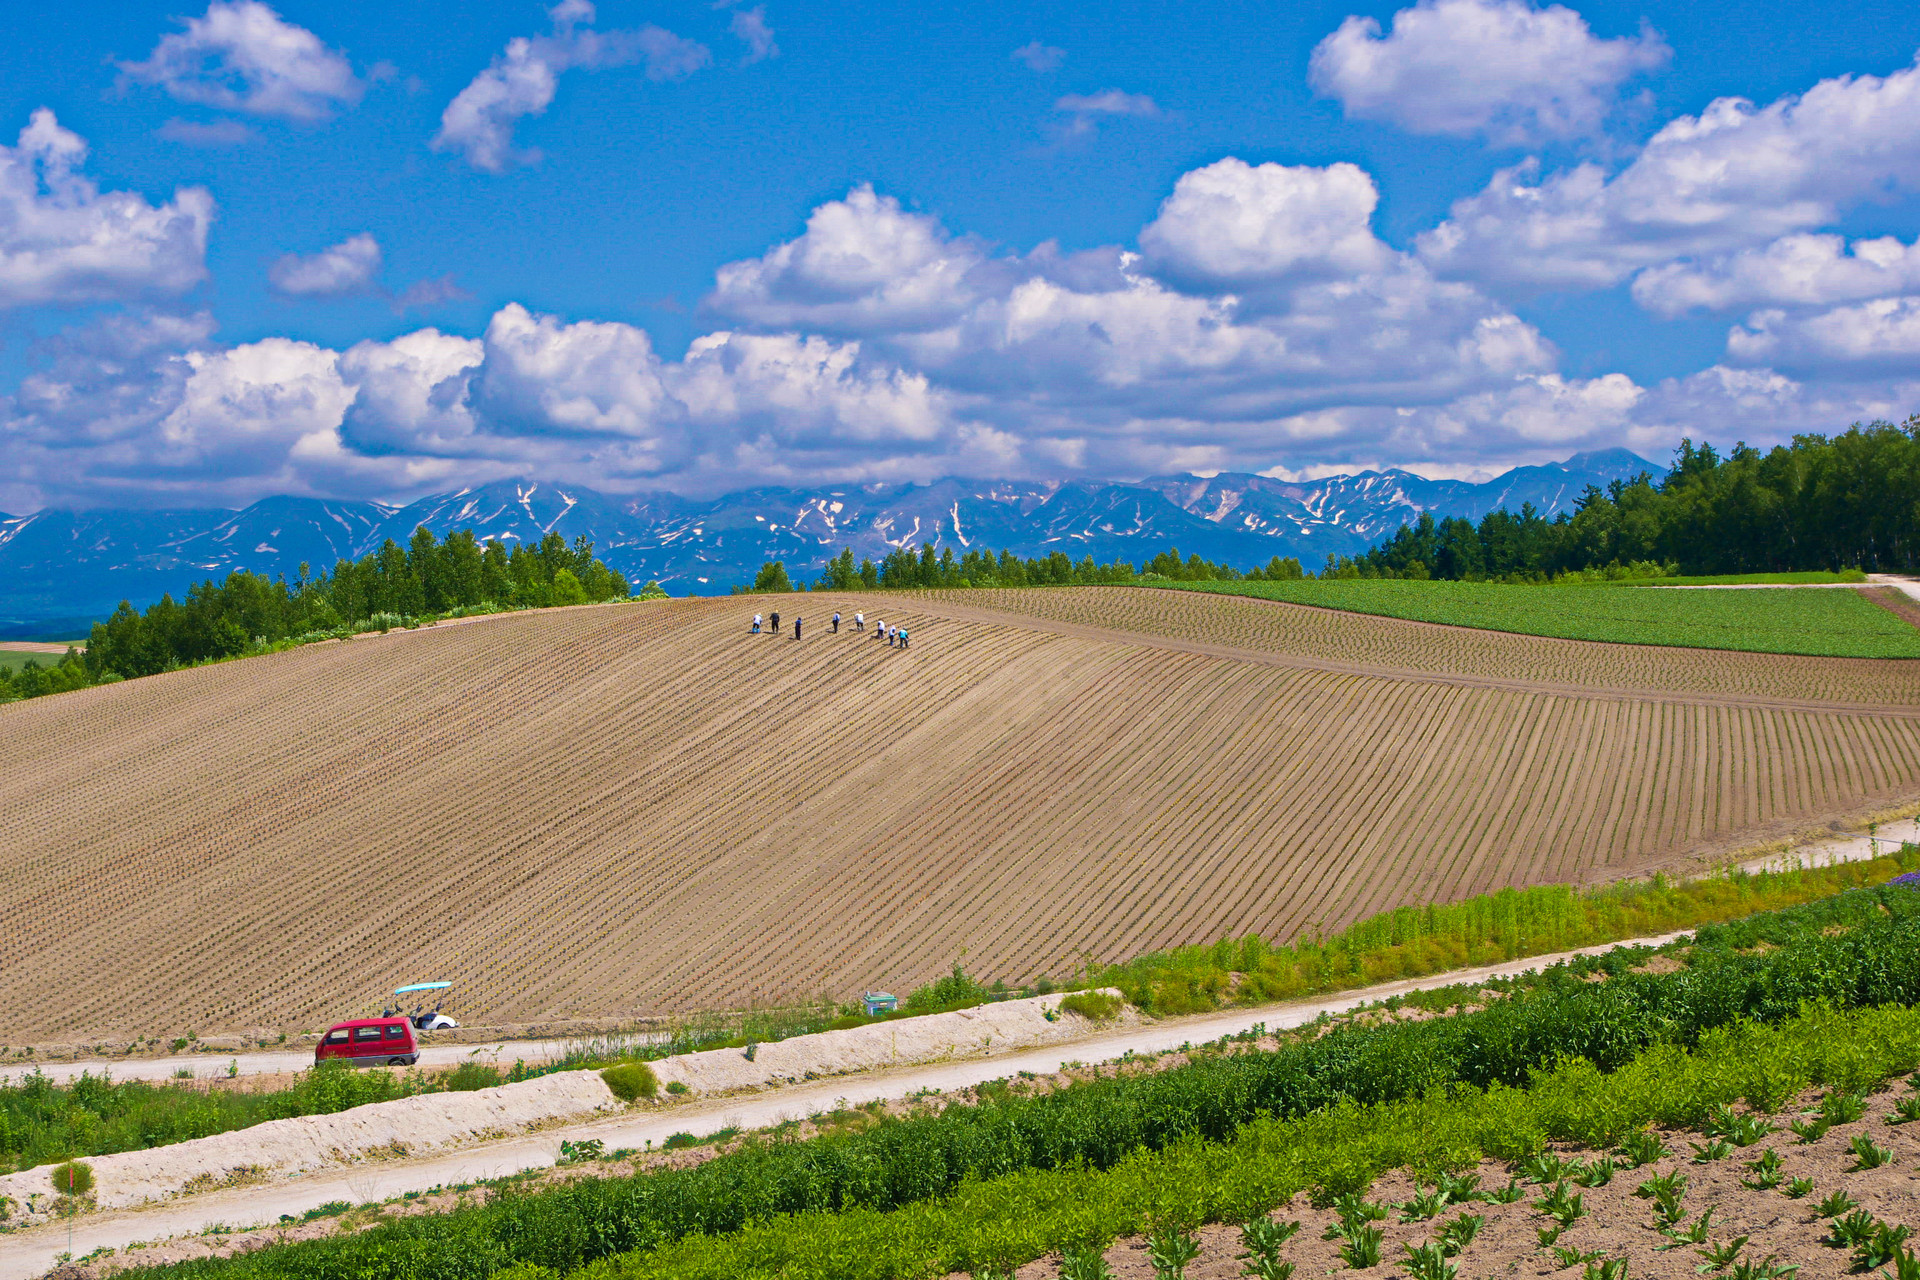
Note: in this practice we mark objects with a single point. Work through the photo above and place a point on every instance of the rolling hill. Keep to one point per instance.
(641, 808)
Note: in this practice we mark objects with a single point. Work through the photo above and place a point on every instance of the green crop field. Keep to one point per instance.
(1826, 623)
(13, 659)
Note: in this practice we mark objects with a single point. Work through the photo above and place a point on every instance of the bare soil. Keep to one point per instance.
(627, 811)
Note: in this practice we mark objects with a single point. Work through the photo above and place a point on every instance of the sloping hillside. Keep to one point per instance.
(640, 808)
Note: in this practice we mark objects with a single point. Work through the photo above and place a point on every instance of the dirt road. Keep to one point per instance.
(33, 1252)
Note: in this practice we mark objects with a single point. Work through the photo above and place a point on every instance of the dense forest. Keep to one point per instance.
(393, 587)
(1851, 501)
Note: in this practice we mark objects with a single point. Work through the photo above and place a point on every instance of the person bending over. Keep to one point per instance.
(836, 622)
(776, 623)
(859, 622)
(756, 624)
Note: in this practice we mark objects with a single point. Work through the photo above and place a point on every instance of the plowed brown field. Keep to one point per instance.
(642, 808)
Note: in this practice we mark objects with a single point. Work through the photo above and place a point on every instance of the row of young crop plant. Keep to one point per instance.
(990, 1227)
(1060, 1146)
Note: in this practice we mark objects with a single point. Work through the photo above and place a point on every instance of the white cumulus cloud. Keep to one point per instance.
(1801, 270)
(63, 240)
(242, 56)
(1734, 177)
(1506, 69)
(1884, 333)
(521, 82)
(1233, 224)
(347, 268)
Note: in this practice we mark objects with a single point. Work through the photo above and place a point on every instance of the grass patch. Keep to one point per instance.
(1490, 928)
(1836, 624)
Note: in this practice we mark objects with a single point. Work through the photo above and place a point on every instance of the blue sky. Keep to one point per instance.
(373, 250)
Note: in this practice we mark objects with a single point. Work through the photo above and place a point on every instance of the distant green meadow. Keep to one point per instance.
(1833, 622)
(12, 660)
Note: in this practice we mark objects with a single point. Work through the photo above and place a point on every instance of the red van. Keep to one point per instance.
(368, 1042)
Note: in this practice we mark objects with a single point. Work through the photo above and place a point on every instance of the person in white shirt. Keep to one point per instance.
(859, 622)
(880, 629)
(756, 624)
(836, 620)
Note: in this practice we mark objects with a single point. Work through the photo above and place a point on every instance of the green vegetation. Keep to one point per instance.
(1228, 1135)
(631, 1080)
(394, 587)
(1095, 1006)
(72, 1178)
(1820, 503)
(13, 660)
(1489, 928)
(42, 1122)
(1827, 623)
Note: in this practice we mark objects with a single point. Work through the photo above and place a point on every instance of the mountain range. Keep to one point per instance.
(61, 570)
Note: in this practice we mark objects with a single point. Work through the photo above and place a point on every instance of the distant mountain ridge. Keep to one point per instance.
(60, 570)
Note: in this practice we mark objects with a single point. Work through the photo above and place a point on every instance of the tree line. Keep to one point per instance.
(1850, 501)
(394, 586)
(903, 568)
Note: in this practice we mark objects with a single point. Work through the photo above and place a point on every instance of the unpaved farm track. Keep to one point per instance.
(642, 808)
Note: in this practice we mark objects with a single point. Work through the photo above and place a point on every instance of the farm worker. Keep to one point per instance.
(756, 624)
(903, 637)
(776, 624)
(880, 629)
(796, 627)
(893, 637)
(836, 622)
(859, 622)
